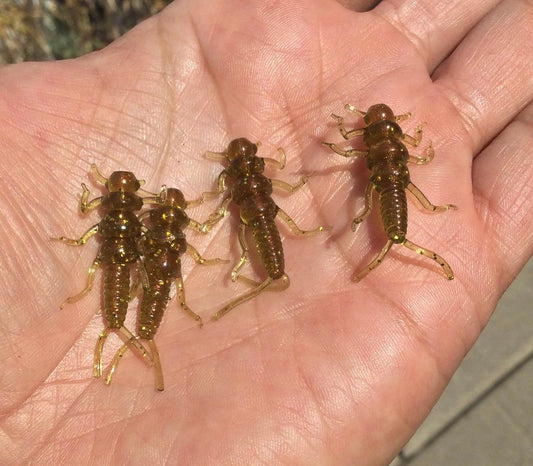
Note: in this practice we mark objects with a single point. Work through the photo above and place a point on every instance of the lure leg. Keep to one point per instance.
(98, 350)
(221, 187)
(212, 220)
(424, 201)
(130, 341)
(97, 175)
(244, 254)
(220, 156)
(368, 206)
(416, 139)
(206, 196)
(193, 252)
(351, 108)
(88, 286)
(183, 303)
(345, 133)
(215, 217)
(241, 299)
(292, 188)
(88, 206)
(154, 357)
(206, 226)
(403, 117)
(221, 183)
(295, 228)
(433, 256)
(345, 153)
(114, 363)
(415, 142)
(279, 164)
(159, 381)
(77, 242)
(280, 284)
(377, 261)
(133, 342)
(430, 153)
(140, 277)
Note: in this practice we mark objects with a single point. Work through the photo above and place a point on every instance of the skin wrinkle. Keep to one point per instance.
(460, 100)
(487, 195)
(118, 141)
(487, 224)
(170, 102)
(170, 455)
(419, 339)
(414, 327)
(66, 138)
(93, 441)
(92, 121)
(120, 443)
(114, 132)
(466, 128)
(60, 422)
(71, 120)
(311, 389)
(90, 102)
(320, 67)
(221, 351)
(485, 204)
(220, 99)
(466, 339)
(292, 119)
(27, 226)
(473, 290)
(402, 25)
(318, 408)
(280, 441)
(346, 253)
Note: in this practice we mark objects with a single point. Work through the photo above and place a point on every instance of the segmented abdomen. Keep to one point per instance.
(163, 248)
(393, 206)
(269, 247)
(116, 293)
(153, 304)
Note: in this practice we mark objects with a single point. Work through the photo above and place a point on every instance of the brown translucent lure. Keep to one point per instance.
(162, 246)
(386, 158)
(121, 231)
(251, 191)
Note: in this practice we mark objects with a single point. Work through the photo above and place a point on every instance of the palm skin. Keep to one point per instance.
(327, 372)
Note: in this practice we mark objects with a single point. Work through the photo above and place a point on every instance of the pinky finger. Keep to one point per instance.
(503, 192)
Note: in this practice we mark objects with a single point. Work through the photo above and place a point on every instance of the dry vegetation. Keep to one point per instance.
(54, 29)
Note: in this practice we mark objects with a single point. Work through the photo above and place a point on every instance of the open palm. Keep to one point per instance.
(328, 371)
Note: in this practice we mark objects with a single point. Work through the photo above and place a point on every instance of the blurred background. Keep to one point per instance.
(36, 30)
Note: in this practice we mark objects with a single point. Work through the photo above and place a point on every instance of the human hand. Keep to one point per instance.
(327, 372)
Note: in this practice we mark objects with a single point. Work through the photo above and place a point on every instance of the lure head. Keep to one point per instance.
(173, 197)
(378, 112)
(122, 181)
(171, 211)
(240, 147)
(381, 125)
